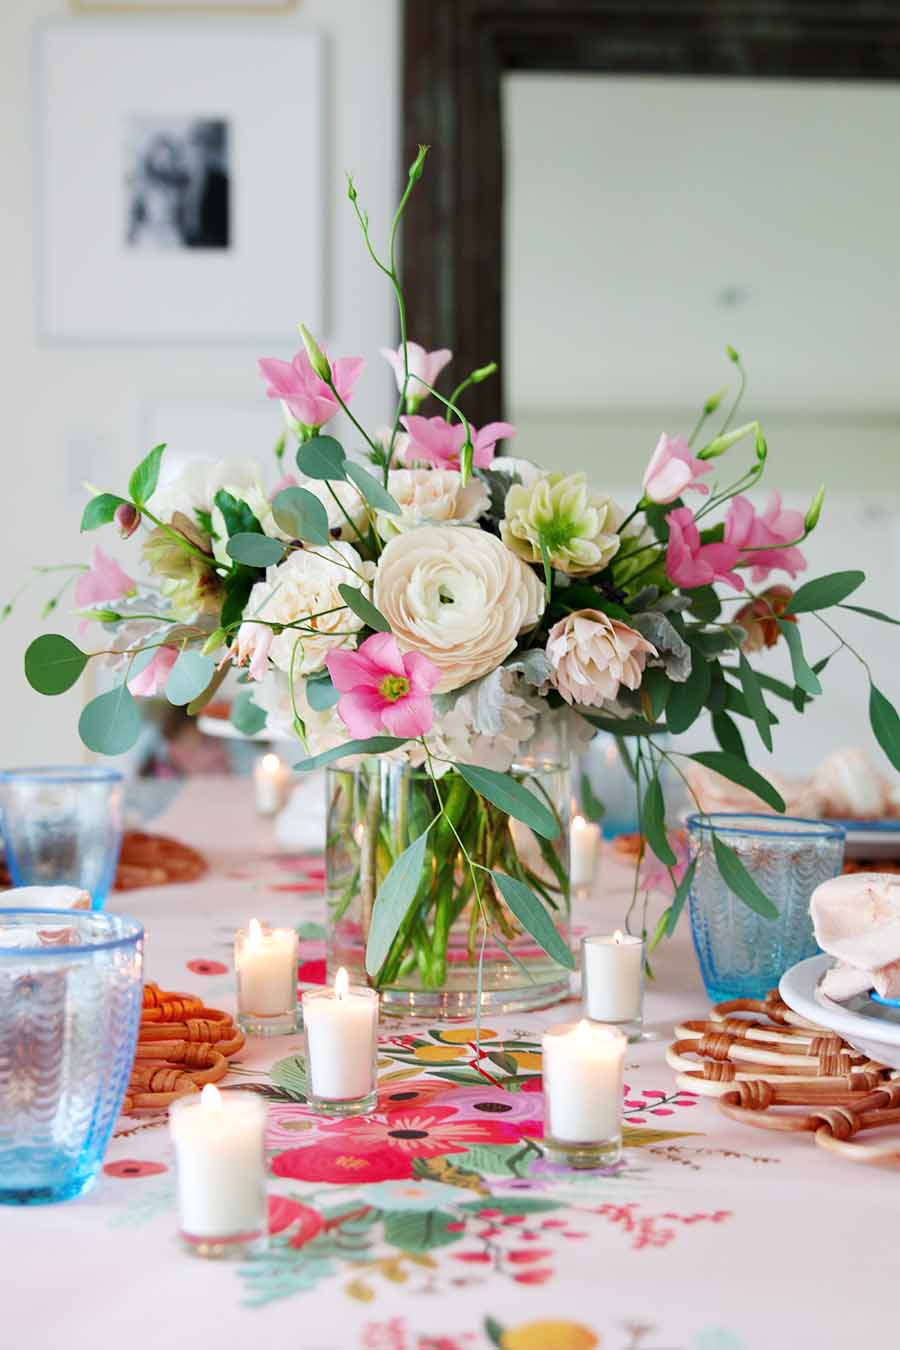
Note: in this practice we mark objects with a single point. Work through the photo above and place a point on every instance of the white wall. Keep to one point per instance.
(80, 411)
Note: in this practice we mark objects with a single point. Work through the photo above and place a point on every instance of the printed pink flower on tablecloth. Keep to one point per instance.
(346, 1165)
(426, 1132)
(495, 1105)
(306, 1222)
(201, 966)
(127, 1168)
(404, 1096)
(289, 1125)
(314, 971)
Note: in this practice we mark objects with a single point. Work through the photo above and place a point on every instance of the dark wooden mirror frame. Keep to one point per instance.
(455, 55)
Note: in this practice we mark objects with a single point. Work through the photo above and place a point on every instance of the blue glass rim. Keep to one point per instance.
(808, 828)
(62, 773)
(67, 916)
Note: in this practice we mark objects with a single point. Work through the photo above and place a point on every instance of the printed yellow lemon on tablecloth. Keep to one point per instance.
(543, 1335)
(464, 1035)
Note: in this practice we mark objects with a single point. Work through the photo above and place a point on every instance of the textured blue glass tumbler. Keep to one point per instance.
(742, 954)
(71, 984)
(63, 826)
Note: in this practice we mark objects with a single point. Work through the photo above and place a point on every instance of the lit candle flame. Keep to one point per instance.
(578, 822)
(271, 764)
(341, 983)
(618, 936)
(583, 1030)
(254, 932)
(210, 1097)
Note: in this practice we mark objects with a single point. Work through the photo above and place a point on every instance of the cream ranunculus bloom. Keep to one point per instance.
(305, 583)
(433, 497)
(578, 526)
(592, 655)
(457, 595)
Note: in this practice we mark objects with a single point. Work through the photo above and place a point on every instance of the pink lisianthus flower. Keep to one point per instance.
(672, 470)
(765, 539)
(439, 443)
(383, 690)
(690, 563)
(104, 581)
(307, 397)
(424, 368)
(153, 677)
(287, 480)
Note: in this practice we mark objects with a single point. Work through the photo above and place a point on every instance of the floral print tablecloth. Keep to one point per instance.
(437, 1223)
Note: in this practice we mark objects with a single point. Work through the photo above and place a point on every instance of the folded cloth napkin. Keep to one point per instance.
(45, 897)
(856, 918)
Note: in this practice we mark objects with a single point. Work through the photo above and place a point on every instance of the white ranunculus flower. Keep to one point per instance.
(431, 497)
(195, 488)
(305, 584)
(457, 595)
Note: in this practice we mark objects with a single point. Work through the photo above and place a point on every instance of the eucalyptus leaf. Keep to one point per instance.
(687, 699)
(100, 510)
(656, 689)
(728, 736)
(824, 592)
(53, 663)
(302, 516)
(625, 726)
(321, 693)
(395, 895)
(857, 609)
(188, 678)
(755, 701)
(534, 918)
(371, 489)
(885, 724)
(363, 608)
(591, 805)
(111, 723)
(739, 880)
(739, 771)
(681, 894)
(245, 715)
(322, 457)
(806, 678)
(254, 550)
(512, 798)
(376, 745)
(705, 604)
(142, 483)
(653, 820)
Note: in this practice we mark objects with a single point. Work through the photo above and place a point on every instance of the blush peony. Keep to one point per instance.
(433, 497)
(592, 655)
(457, 595)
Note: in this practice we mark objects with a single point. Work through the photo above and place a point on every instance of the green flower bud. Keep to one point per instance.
(732, 354)
(714, 400)
(811, 518)
(415, 169)
(722, 443)
(351, 189)
(483, 372)
(762, 449)
(317, 358)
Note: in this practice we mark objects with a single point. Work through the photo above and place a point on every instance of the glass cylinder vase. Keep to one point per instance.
(440, 962)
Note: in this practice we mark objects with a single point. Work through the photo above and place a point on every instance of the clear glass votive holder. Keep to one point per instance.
(265, 964)
(612, 981)
(220, 1172)
(63, 826)
(583, 1065)
(70, 1005)
(340, 1027)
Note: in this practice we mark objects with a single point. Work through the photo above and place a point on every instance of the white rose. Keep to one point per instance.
(305, 584)
(195, 488)
(348, 498)
(432, 497)
(459, 596)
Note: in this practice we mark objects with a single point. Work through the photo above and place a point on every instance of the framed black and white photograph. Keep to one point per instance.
(188, 226)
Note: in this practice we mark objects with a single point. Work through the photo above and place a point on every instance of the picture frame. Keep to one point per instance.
(165, 211)
(183, 6)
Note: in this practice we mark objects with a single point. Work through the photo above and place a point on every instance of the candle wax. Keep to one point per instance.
(341, 1035)
(220, 1165)
(613, 978)
(582, 1080)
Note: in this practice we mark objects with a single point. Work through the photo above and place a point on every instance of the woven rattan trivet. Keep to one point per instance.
(756, 1055)
(181, 1045)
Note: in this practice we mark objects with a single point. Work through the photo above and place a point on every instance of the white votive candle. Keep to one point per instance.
(265, 962)
(219, 1142)
(584, 843)
(582, 1082)
(612, 980)
(271, 778)
(341, 1028)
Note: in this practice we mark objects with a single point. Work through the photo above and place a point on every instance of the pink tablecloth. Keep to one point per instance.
(437, 1224)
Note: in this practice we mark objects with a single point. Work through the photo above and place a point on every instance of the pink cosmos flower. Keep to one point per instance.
(690, 563)
(672, 470)
(439, 443)
(383, 690)
(767, 535)
(307, 397)
(153, 677)
(104, 582)
(424, 1133)
(424, 367)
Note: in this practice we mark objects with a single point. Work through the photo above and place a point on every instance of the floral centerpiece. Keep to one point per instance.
(440, 624)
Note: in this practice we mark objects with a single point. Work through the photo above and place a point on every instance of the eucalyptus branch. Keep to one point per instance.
(845, 644)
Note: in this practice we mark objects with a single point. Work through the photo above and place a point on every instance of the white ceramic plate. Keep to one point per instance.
(871, 839)
(870, 1028)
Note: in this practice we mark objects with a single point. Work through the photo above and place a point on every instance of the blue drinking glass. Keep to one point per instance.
(742, 954)
(63, 826)
(71, 984)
